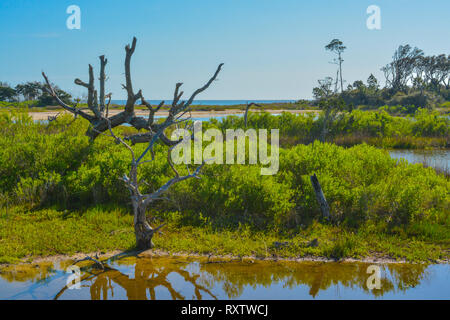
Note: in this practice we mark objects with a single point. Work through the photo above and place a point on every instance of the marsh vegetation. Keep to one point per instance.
(60, 194)
(66, 187)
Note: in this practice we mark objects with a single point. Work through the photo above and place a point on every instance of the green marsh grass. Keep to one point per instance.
(60, 194)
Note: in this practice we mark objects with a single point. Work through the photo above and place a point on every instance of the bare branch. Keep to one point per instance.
(92, 101)
(118, 139)
(53, 118)
(109, 102)
(132, 98)
(102, 79)
(152, 110)
(81, 83)
(52, 92)
(176, 96)
(191, 99)
(148, 198)
(159, 227)
(170, 161)
(87, 258)
(246, 111)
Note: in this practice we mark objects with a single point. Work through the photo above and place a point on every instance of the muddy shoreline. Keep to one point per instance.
(155, 253)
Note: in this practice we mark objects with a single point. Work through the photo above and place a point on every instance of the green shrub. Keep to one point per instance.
(56, 164)
(375, 127)
(363, 183)
(344, 246)
(430, 124)
(233, 194)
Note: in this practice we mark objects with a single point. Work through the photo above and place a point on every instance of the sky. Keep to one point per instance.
(271, 49)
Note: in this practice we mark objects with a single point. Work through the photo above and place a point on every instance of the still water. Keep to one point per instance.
(438, 159)
(212, 102)
(186, 278)
(200, 118)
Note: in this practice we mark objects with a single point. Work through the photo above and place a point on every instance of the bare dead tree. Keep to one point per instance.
(321, 200)
(101, 123)
(246, 111)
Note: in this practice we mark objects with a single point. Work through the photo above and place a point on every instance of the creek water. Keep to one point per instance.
(196, 278)
(198, 118)
(211, 102)
(438, 159)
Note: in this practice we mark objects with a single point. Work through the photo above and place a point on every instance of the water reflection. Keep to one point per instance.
(143, 281)
(316, 276)
(176, 278)
(438, 159)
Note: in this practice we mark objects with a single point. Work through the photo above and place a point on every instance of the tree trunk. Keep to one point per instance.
(245, 116)
(323, 134)
(336, 82)
(320, 197)
(340, 73)
(142, 229)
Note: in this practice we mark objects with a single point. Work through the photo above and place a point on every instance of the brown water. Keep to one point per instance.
(182, 278)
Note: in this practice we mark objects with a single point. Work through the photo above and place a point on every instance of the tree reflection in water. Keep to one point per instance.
(148, 275)
(141, 278)
(317, 276)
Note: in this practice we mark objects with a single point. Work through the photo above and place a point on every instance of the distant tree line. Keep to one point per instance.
(31, 91)
(411, 78)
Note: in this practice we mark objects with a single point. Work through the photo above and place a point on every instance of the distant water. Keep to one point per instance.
(212, 102)
(438, 159)
(204, 117)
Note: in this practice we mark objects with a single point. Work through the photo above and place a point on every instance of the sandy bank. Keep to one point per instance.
(209, 258)
(195, 114)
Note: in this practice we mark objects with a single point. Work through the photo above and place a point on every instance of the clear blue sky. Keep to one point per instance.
(272, 49)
